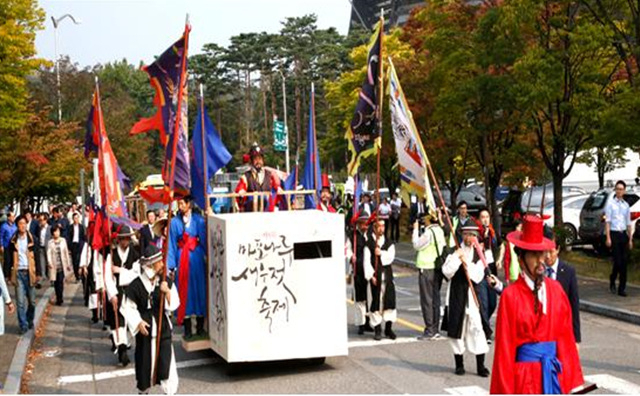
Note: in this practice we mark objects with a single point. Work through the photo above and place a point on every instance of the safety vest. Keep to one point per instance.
(452, 235)
(427, 257)
(513, 265)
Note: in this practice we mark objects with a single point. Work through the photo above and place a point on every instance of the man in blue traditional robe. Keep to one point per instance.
(186, 256)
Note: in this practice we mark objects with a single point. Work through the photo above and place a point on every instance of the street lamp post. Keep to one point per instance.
(56, 22)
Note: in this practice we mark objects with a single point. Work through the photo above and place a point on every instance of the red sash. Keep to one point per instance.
(188, 243)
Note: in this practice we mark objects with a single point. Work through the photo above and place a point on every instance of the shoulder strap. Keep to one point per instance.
(435, 239)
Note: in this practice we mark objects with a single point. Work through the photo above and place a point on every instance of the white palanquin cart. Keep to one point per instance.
(277, 286)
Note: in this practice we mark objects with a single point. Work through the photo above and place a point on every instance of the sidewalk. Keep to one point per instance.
(595, 296)
(12, 338)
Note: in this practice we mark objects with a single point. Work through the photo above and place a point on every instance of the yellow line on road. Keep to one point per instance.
(401, 321)
(410, 325)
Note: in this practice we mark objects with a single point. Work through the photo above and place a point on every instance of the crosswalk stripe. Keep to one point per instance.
(384, 341)
(73, 379)
(467, 390)
(613, 384)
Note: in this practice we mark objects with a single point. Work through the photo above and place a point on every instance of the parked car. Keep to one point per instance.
(592, 217)
(501, 193)
(537, 193)
(517, 202)
(571, 208)
(472, 195)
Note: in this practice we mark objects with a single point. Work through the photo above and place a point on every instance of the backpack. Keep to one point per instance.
(442, 255)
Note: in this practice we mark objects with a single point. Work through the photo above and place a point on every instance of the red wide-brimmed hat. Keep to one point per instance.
(531, 237)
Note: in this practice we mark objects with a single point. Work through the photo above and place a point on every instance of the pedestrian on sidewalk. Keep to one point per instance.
(76, 238)
(384, 213)
(42, 236)
(60, 267)
(430, 244)
(23, 274)
(562, 272)
(462, 319)
(619, 237)
(381, 252)
(141, 309)
(535, 347)
(6, 233)
(6, 298)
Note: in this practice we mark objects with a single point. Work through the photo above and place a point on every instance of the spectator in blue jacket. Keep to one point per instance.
(6, 233)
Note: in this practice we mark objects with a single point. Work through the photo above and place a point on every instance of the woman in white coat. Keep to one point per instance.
(6, 298)
(59, 260)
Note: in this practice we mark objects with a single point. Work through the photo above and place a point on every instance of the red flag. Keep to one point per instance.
(110, 187)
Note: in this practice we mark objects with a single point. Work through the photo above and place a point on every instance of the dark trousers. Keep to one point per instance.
(75, 258)
(620, 253)
(395, 229)
(430, 282)
(58, 285)
(6, 262)
(386, 229)
(487, 298)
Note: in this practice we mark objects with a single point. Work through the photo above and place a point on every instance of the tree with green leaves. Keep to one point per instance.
(19, 22)
(566, 68)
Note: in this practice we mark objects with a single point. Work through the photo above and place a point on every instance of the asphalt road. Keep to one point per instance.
(74, 357)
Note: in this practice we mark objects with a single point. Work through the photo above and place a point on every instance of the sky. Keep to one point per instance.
(138, 30)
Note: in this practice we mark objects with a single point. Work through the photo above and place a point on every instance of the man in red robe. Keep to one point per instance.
(535, 350)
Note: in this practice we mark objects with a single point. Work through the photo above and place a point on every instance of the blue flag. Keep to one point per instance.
(217, 156)
(311, 180)
(357, 191)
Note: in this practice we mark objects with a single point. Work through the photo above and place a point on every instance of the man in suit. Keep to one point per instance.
(76, 239)
(42, 235)
(565, 274)
(59, 219)
(147, 237)
(418, 209)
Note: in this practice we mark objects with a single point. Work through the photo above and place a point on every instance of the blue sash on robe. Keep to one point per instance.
(545, 353)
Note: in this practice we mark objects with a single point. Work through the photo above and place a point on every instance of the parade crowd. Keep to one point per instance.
(536, 335)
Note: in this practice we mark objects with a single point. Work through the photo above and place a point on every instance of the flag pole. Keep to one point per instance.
(176, 130)
(379, 138)
(102, 200)
(315, 142)
(450, 224)
(206, 178)
(104, 205)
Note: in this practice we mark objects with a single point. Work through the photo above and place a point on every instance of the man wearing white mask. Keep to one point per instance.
(462, 319)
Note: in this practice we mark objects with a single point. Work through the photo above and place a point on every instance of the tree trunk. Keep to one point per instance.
(298, 120)
(492, 203)
(600, 166)
(265, 116)
(557, 198)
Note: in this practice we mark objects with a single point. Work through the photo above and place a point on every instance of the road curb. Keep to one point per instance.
(610, 312)
(19, 361)
(586, 306)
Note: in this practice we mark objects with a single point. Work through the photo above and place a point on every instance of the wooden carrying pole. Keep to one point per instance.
(175, 131)
(378, 140)
(450, 224)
